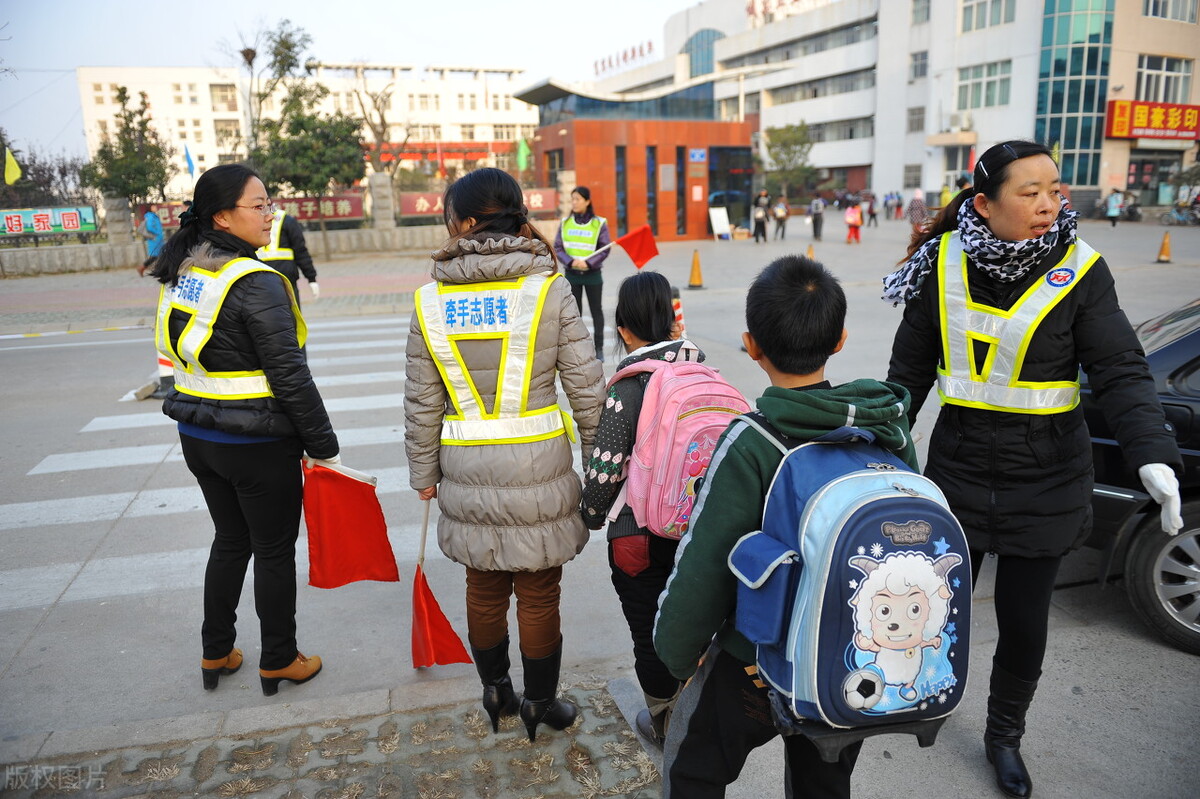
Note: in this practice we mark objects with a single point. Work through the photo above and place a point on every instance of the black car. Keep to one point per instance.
(1162, 572)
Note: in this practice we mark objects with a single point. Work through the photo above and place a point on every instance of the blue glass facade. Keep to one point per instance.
(692, 103)
(1073, 84)
(699, 48)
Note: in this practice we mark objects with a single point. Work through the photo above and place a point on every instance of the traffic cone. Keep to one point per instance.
(810, 255)
(695, 281)
(677, 307)
(1164, 252)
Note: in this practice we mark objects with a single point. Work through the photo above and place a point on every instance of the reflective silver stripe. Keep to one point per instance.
(273, 252)
(516, 329)
(207, 384)
(579, 241)
(1011, 333)
(215, 287)
(543, 424)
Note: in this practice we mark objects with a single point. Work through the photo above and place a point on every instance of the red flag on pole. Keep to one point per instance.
(433, 639)
(640, 245)
(971, 159)
(441, 161)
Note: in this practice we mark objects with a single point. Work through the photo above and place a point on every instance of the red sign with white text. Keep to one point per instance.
(1135, 119)
(338, 207)
(429, 203)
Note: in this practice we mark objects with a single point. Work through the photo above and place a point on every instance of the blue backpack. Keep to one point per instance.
(857, 590)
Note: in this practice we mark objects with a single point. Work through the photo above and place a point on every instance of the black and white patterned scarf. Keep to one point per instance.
(1006, 261)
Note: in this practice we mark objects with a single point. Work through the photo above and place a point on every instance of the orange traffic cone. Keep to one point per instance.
(1164, 252)
(677, 307)
(810, 255)
(695, 281)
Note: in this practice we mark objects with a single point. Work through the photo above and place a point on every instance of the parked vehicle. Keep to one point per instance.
(1180, 215)
(1162, 572)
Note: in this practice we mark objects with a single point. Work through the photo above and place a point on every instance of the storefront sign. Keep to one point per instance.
(340, 207)
(47, 221)
(168, 213)
(429, 203)
(1135, 119)
(697, 155)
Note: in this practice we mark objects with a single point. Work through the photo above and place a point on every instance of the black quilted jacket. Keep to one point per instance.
(255, 329)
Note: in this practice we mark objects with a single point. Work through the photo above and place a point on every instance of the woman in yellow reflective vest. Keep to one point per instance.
(247, 410)
(485, 435)
(579, 236)
(1003, 305)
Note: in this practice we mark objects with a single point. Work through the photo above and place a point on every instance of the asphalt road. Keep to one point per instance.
(103, 537)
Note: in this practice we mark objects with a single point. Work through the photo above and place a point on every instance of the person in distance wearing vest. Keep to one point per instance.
(487, 340)
(247, 410)
(579, 236)
(288, 254)
(795, 318)
(639, 560)
(1004, 304)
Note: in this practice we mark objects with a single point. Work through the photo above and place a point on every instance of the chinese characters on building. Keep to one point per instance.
(428, 203)
(1134, 119)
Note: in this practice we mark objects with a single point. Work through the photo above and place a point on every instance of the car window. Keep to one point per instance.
(1160, 331)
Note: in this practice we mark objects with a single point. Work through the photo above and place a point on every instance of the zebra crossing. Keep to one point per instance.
(358, 366)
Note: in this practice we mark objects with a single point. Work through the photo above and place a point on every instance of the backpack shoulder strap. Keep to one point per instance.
(640, 367)
(784, 444)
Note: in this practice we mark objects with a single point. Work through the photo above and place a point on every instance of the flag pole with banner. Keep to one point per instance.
(433, 639)
(639, 244)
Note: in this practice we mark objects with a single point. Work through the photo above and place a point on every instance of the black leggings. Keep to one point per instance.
(1024, 587)
(594, 291)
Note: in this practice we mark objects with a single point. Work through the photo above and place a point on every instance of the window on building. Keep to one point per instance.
(1182, 10)
(1162, 79)
(195, 123)
(103, 125)
(182, 135)
(462, 102)
(178, 99)
(980, 14)
(916, 119)
(495, 102)
(918, 65)
(680, 191)
(228, 132)
(200, 159)
(471, 101)
(224, 96)
(198, 135)
(699, 50)
(423, 102)
(467, 132)
(807, 45)
(504, 132)
(622, 192)
(97, 87)
(912, 176)
(984, 85)
(652, 188)
(823, 87)
(99, 99)
(179, 123)
(920, 11)
(507, 103)
(228, 158)
(842, 129)
(193, 100)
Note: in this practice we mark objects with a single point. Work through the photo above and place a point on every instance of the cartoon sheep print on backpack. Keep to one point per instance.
(903, 629)
(855, 592)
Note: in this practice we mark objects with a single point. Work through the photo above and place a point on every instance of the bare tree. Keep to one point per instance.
(375, 118)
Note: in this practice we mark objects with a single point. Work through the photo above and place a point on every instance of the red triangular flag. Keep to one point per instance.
(640, 245)
(433, 639)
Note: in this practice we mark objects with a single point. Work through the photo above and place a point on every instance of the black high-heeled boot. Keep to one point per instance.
(541, 704)
(1008, 701)
(499, 699)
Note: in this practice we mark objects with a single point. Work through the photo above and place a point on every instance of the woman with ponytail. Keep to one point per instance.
(247, 410)
(1004, 304)
(486, 437)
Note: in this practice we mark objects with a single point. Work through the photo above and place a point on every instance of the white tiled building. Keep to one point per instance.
(467, 114)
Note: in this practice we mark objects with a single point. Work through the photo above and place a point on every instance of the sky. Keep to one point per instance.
(41, 44)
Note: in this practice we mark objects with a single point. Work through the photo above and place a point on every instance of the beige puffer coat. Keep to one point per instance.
(505, 507)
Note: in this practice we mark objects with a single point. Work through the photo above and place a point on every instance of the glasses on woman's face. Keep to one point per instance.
(266, 209)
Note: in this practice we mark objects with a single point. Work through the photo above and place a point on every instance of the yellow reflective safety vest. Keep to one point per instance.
(199, 293)
(995, 384)
(505, 310)
(272, 251)
(579, 241)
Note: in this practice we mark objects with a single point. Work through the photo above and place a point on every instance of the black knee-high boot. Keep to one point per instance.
(541, 704)
(1008, 702)
(499, 699)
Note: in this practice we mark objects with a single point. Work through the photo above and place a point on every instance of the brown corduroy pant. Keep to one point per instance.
(538, 620)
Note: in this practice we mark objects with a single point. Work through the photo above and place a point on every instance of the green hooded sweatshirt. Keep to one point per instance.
(701, 593)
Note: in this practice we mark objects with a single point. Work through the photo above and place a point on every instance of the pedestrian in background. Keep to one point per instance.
(872, 211)
(918, 214)
(816, 209)
(488, 340)
(781, 211)
(759, 211)
(247, 410)
(151, 230)
(579, 236)
(288, 253)
(1112, 206)
(854, 219)
(1010, 448)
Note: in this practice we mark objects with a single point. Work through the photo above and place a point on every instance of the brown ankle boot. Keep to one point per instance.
(302, 669)
(211, 670)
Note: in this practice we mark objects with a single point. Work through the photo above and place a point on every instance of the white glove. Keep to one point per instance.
(316, 291)
(1161, 483)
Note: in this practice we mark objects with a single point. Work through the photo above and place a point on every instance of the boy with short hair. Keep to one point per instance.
(795, 318)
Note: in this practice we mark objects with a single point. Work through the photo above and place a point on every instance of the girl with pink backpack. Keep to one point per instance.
(650, 420)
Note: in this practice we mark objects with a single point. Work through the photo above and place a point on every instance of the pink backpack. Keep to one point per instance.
(685, 408)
